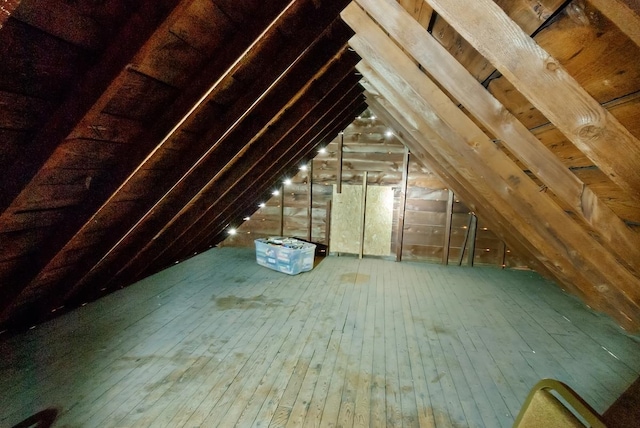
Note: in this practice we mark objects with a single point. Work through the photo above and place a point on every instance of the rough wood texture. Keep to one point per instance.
(541, 161)
(374, 48)
(218, 339)
(589, 126)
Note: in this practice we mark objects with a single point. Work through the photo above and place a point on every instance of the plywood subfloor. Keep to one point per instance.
(218, 340)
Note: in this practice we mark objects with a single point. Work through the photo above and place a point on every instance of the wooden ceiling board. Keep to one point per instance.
(269, 145)
(273, 165)
(81, 98)
(295, 74)
(132, 159)
(339, 122)
(610, 229)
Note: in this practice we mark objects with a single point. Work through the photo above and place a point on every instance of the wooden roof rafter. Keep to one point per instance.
(491, 172)
(610, 229)
(296, 147)
(271, 140)
(251, 108)
(144, 232)
(543, 80)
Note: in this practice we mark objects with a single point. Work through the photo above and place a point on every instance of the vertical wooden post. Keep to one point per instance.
(402, 205)
(447, 229)
(503, 255)
(466, 239)
(310, 201)
(282, 210)
(339, 171)
(363, 213)
(327, 231)
(473, 231)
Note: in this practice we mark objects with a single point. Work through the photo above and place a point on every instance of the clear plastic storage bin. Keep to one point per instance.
(287, 255)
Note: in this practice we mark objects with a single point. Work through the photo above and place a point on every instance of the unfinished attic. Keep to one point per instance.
(469, 173)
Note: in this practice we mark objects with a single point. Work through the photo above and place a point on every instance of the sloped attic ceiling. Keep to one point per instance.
(133, 132)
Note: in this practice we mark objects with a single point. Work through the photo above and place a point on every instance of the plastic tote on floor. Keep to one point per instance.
(287, 255)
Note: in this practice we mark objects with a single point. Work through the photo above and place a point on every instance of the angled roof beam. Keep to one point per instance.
(270, 146)
(449, 73)
(143, 232)
(104, 76)
(210, 81)
(548, 86)
(297, 147)
(390, 115)
(559, 238)
(340, 122)
(281, 80)
(469, 188)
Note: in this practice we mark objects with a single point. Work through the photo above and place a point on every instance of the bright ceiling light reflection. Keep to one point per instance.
(287, 181)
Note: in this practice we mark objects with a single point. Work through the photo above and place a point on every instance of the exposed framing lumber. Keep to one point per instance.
(548, 86)
(623, 14)
(464, 241)
(473, 231)
(212, 235)
(402, 205)
(341, 66)
(339, 164)
(246, 117)
(446, 242)
(607, 283)
(281, 210)
(613, 232)
(315, 128)
(363, 214)
(343, 116)
(416, 141)
(90, 95)
(298, 142)
(270, 146)
(310, 201)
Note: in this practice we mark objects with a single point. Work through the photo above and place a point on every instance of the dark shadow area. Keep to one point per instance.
(42, 419)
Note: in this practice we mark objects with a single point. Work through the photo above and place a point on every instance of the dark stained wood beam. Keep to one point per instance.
(280, 146)
(281, 80)
(87, 216)
(7, 7)
(317, 127)
(145, 231)
(104, 74)
(340, 121)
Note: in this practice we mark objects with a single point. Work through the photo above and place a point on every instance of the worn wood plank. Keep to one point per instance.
(542, 162)
(474, 144)
(589, 126)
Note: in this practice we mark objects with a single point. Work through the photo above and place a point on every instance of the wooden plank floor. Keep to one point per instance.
(220, 341)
